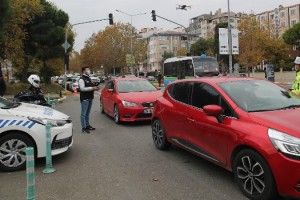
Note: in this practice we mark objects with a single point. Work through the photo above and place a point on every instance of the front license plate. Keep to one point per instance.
(148, 111)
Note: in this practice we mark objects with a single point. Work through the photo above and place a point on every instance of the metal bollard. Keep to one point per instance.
(49, 169)
(53, 103)
(30, 174)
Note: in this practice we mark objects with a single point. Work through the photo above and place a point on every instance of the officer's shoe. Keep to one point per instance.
(85, 130)
(90, 128)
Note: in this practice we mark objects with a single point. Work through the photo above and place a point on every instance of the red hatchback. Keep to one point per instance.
(248, 126)
(129, 99)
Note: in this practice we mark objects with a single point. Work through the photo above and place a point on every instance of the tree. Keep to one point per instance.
(251, 38)
(15, 32)
(203, 46)
(46, 36)
(4, 16)
(292, 35)
(181, 51)
(109, 48)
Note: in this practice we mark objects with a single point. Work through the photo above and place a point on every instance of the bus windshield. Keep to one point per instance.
(206, 66)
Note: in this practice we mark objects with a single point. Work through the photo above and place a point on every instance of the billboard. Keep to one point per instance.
(223, 41)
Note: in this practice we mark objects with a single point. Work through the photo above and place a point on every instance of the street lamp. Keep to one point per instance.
(130, 15)
(229, 41)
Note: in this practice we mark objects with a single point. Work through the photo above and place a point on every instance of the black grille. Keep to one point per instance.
(148, 104)
(144, 115)
(59, 144)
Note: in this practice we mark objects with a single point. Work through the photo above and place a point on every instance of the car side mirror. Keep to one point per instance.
(214, 110)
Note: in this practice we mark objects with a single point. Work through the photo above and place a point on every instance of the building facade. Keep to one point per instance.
(204, 25)
(279, 19)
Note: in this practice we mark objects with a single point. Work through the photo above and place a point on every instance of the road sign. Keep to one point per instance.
(66, 45)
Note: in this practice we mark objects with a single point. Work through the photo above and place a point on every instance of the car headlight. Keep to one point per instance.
(52, 122)
(285, 143)
(129, 104)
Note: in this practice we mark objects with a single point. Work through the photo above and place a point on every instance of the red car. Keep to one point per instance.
(129, 99)
(248, 126)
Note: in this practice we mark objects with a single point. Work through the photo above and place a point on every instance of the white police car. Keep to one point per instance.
(23, 125)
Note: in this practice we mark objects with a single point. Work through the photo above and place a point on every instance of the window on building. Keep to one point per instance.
(231, 20)
(164, 46)
(282, 14)
(272, 16)
(282, 24)
(293, 12)
(262, 18)
(293, 22)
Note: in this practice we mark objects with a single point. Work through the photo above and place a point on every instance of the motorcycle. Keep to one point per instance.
(27, 97)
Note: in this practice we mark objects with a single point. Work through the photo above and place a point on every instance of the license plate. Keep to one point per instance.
(148, 111)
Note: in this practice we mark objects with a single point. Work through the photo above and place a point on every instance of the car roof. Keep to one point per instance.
(128, 79)
(218, 79)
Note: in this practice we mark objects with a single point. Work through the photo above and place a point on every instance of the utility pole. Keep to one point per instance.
(131, 45)
(229, 41)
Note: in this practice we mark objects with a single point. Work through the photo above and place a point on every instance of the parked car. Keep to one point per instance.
(150, 78)
(73, 83)
(128, 99)
(95, 79)
(22, 125)
(248, 126)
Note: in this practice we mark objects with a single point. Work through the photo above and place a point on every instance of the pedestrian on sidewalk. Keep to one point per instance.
(2, 84)
(87, 89)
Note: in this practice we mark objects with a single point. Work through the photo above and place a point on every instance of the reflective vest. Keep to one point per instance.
(296, 85)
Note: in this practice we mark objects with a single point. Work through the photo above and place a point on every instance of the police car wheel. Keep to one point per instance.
(13, 151)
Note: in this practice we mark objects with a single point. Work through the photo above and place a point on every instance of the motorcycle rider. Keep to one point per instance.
(35, 88)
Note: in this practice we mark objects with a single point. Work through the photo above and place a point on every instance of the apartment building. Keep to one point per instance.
(204, 25)
(279, 19)
(160, 41)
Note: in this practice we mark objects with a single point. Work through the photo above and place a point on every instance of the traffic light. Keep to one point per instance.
(153, 15)
(110, 18)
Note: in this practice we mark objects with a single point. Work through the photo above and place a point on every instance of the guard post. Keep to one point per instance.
(30, 176)
(49, 169)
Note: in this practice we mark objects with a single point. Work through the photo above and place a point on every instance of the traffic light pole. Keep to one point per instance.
(186, 30)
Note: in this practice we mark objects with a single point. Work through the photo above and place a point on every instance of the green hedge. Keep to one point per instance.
(14, 88)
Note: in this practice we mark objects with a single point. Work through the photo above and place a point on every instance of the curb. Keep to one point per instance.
(60, 100)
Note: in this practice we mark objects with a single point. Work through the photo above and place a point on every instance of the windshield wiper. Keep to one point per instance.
(289, 107)
(286, 93)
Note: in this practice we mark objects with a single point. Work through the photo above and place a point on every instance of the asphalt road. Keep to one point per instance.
(120, 162)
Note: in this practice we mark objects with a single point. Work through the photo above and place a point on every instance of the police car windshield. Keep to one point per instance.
(4, 102)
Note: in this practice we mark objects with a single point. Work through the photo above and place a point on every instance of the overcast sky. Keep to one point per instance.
(88, 10)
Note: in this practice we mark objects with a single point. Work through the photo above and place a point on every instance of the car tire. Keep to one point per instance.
(254, 176)
(159, 136)
(13, 151)
(117, 114)
(101, 107)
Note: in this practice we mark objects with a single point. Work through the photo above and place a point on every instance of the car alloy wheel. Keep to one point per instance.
(254, 176)
(101, 106)
(116, 114)
(13, 151)
(159, 136)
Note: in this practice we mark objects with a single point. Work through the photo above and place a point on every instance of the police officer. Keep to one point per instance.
(86, 99)
(296, 85)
